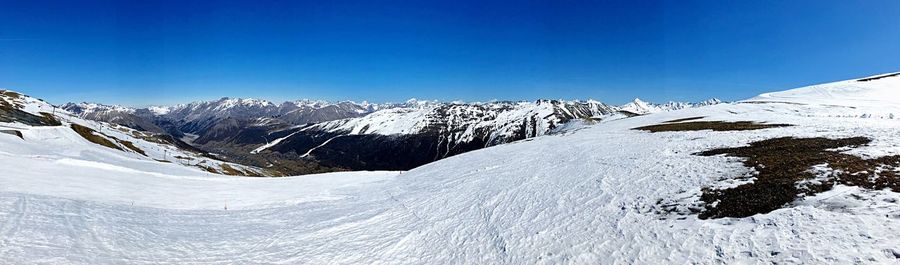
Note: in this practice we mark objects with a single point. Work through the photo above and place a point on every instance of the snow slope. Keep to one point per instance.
(53, 162)
(62, 142)
(583, 197)
(875, 96)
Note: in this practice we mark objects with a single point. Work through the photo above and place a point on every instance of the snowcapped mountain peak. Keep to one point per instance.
(310, 103)
(417, 103)
(129, 117)
(549, 101)
(711, 101)
(640, 103)
(638, 106)
(641, 107)
(227, 103)
(86, 108)
(159, 110)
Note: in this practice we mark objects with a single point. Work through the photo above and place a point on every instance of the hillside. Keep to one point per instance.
(43, 130)
(671, 187)
(402, 138)
(309, 136)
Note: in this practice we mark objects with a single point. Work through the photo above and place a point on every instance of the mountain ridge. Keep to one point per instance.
(607, 193)
(241, 129)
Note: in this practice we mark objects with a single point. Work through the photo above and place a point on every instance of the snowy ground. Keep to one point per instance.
(587, 197)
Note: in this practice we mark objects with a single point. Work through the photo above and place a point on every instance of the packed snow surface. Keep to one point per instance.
(879, 90)
(587, 197)
(875, 96)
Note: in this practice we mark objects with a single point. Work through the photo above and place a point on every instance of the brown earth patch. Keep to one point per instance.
(10, 113)
(228, 170)
(10, 94)
(48, 119)
(709, 125)
(131, 146)
(8, 99)
(208, 169)
(91, 135)
(784, 173)
(13, 132)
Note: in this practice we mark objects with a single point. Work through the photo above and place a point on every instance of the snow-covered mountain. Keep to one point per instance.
(241, 129)
(501, 120)
(138, 119)
(197, 117)
(640, 107)
(44, 130)
(95, 108)
(219, 121)
(202, 116)
(292, 112)
(605, 194)
(406, 137)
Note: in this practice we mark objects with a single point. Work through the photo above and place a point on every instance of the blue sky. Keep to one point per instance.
(162, 52)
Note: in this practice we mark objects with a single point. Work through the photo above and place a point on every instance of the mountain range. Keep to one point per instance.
(291, 136)
(809, 175)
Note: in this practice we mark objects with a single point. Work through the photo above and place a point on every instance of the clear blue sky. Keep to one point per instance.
(163, 52)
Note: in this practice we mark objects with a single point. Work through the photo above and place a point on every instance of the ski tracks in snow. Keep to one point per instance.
(13, 221)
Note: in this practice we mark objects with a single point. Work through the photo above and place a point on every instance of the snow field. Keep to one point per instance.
(585, 197)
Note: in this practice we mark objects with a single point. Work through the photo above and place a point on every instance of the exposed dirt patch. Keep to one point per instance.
(784, 173)
(13, 132)
(97, 138)
(92, 136)
(228, 170)
(10, 94)
(8, 99)
(184, 158)
(131, 146)
(9, 113)
(208, 169)
(48, 119)
(709, 125)
(684, 119)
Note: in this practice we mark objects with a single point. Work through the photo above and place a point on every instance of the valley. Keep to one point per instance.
(757, 180)
(308, 136)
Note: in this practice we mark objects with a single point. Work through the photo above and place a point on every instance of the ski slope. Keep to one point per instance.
(583, 197)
